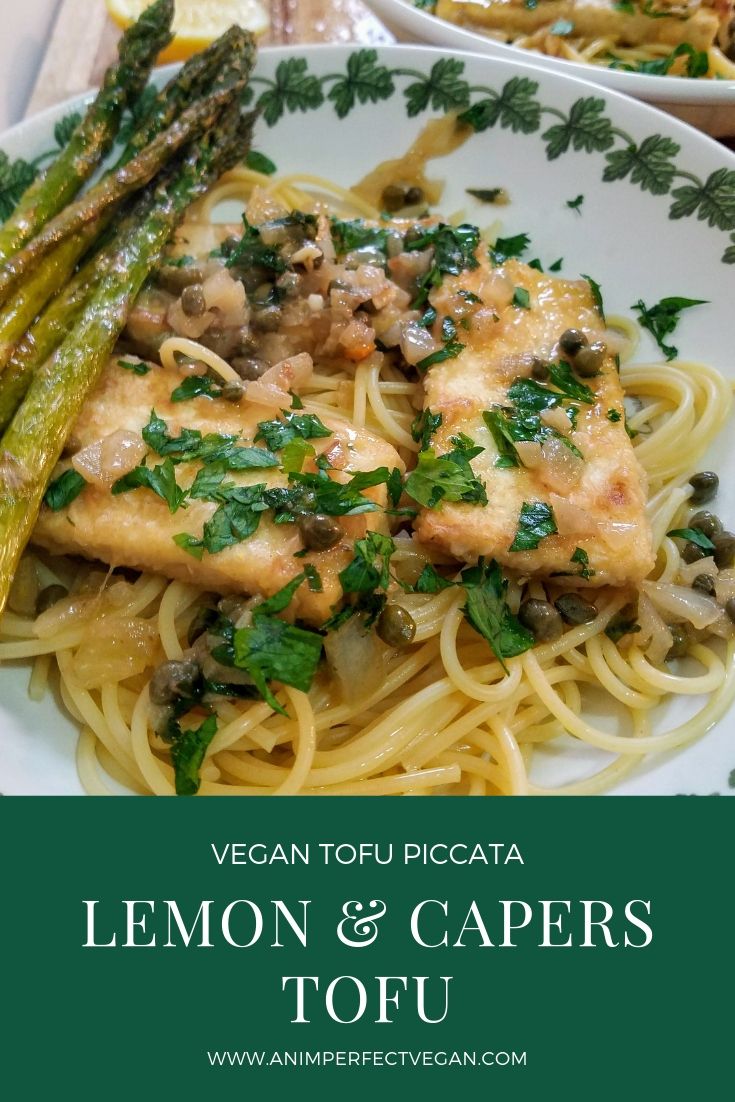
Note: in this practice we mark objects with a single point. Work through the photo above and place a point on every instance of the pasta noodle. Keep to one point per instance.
(445, 717)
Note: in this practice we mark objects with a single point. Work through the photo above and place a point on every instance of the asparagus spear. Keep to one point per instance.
(33, 442)
(229, 60)
(95, 134)
(225, 63)
(114, 187)
(42, 339)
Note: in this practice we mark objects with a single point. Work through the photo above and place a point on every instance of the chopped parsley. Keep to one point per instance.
(454, 252)
(278, 433)
(370, 568)
(556, 266)
(507, 247)
(187, 756)
(356, 234)
(252, 252)
(423, 427)
(430, 581)
(521, 421)
(563, 379)
(662, 319)
(212, 448)
(161, 480)
(614, 415)
(446, 477)
(196, 386)
(581, 557)
(488, 612)
(63, 490)
(536, 522)
(693, 535)
(596, 294)
(258, 162)
(272, 650)
(489, 195)
(521, 298)
(576, 204)
(137, 367)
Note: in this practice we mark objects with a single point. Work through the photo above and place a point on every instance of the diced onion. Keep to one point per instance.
(571, 520)
(682, 603)
(529, 453)
(557, 418)
(356, 657)
(272, 388)
(561, 469)
(416, 342)
(103, 462)
(227, 295)
(655, 638)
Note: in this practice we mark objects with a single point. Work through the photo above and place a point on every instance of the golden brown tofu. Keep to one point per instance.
(136, 529)
(598, 501)
(513, 18)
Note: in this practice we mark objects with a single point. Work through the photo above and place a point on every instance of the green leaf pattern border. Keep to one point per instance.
(650, 164)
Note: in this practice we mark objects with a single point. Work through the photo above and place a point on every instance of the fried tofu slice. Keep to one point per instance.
(699, 26)
(598, 502)
(136, 529)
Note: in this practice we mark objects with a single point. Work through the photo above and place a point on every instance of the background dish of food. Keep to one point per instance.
(707, 104)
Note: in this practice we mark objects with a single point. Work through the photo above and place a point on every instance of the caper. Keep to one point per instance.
(730, 608)
(202, 622)
(174, 279)
(539, 368)
(704, 486)
(319, 532)
(232, 392)
(574, 609)
(221, 341)
(588, 361)
(707, 523)
(193, 302)
(173, 680)
(680, 645)
(542, 619)
(50, 596)
(267, 319)
(229, 245)
(571, 341)
(705, 583)
(724, 552)
(394, 197)
(248, 368)
(414, 195)
(692, 552)
(395, 626)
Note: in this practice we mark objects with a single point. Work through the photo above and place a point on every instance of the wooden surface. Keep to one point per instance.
(84, 39)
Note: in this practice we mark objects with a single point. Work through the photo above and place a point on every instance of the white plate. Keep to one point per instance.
(411, 23)
(340, 111)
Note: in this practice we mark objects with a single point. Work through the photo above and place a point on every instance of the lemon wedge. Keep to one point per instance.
(197, 22)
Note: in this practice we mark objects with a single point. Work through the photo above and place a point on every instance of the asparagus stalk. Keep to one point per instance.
(114, 187)
(225, 63)
(228, 61)
(42, 339)
(95, 134)
(33, 442)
